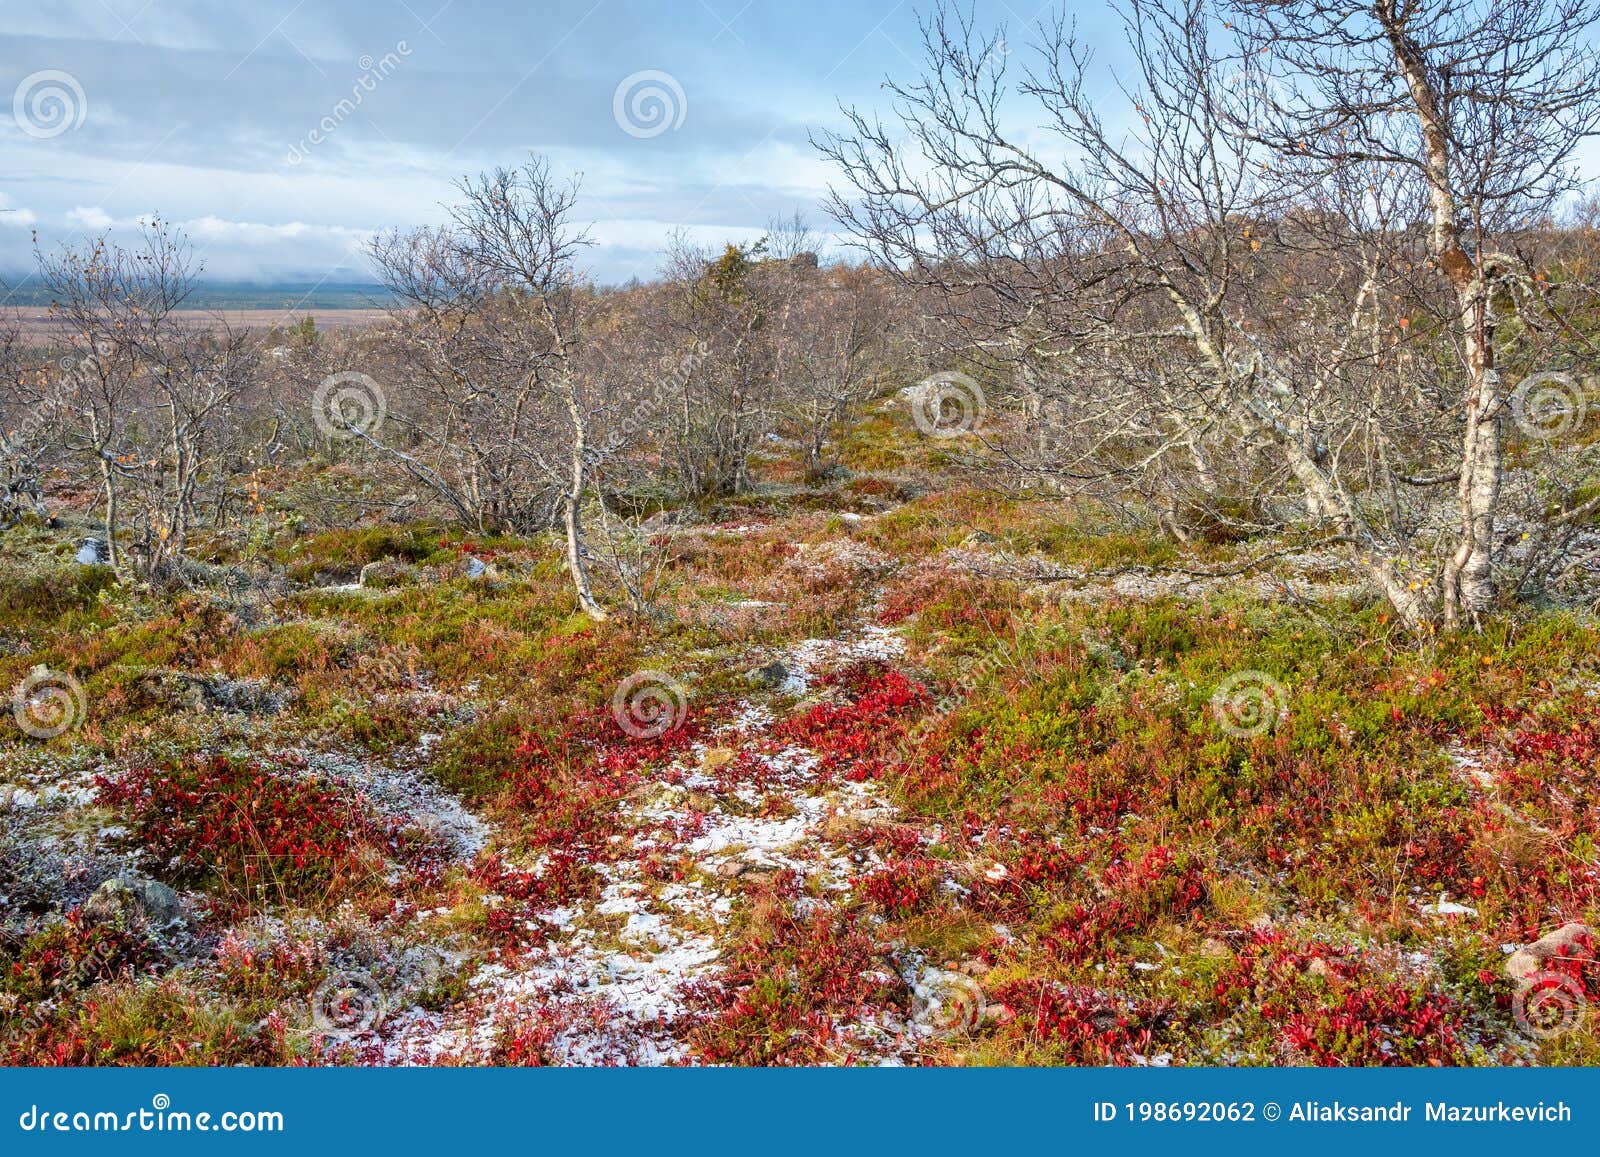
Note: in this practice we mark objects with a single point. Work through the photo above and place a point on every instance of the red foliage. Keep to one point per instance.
(1132, 896)
(859, 737)
(902, 886)
(246, 822)
(1331, 1012)
(78, 953)
(1534, 739)
(1092, 1027)
(1550, 781)
(785, 995)
(563, 879)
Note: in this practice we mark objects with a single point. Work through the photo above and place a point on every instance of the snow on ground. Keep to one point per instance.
(608, 987)
(411, 796)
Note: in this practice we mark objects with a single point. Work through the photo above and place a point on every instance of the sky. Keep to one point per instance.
(280, 134)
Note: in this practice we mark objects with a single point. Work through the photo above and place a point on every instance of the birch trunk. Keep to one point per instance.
(1468, 574)
(574, 512)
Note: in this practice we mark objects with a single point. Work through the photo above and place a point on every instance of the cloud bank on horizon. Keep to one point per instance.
(280, 135)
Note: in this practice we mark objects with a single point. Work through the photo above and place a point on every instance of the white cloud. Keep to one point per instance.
(216, 229)
(90, 217)
(15, 217)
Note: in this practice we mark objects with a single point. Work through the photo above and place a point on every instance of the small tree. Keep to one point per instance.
(492, 310)
(148, 391)
(28, 429)
(1480, 107)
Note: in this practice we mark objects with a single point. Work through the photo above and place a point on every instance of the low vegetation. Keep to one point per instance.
(1146, 615)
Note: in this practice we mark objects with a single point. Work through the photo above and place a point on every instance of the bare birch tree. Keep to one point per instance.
(1482, 104)
(493, 308)
(1200, 300)
(148, 391)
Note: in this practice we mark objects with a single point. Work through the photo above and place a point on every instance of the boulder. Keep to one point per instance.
(664, 520)
(93, 552)
(771, 675)
(1572, 941)
(655, 794)
(177, 690)
(134, 901)
(716, 757)
(183, 691)
(387, 572)
(749, 868)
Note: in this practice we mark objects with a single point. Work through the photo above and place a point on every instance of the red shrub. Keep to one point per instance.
(859, 737)
(1331, 1012)
(245, 823)
(902, 886)
(784, 993)
(563, 879)
(75, 954)
(1132, 896)
(1091, 1027)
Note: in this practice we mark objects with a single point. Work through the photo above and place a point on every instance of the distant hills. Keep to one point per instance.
(306, 296)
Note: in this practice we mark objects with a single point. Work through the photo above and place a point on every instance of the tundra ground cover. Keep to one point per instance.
(906, 793)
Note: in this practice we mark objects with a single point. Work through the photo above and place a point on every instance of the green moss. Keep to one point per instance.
(476, 761)
(342, 553)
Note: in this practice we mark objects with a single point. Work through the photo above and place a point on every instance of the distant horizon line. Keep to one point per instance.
(289, 294)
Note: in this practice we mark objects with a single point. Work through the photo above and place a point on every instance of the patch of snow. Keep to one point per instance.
(411, 796)
(1446, 907)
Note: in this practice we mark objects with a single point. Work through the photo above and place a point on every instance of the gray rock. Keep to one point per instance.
(1570, 941)
(183, 691)
(475, 568)
(134, 901)
(387, 572)
(773, 675)
(665, 520)
(93, 552)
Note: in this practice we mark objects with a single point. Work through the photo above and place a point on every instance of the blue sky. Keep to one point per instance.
(227, 117)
